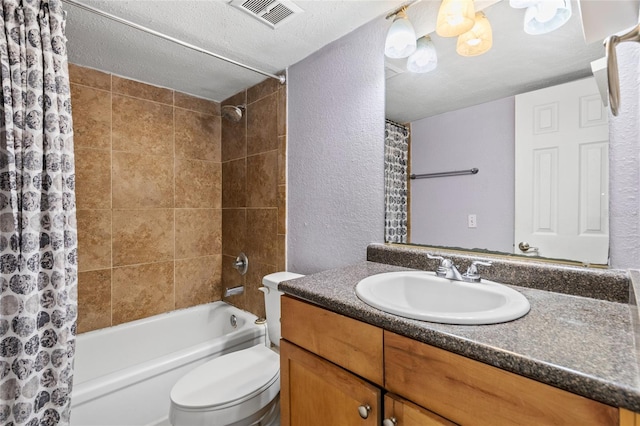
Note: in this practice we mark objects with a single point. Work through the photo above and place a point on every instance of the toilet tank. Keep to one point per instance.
(272, 302)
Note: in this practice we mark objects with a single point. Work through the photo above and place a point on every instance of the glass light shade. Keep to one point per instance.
(478, 40)
(401, 38)
(424, 59)
(546, 16)
(520, 4)
(455, 17)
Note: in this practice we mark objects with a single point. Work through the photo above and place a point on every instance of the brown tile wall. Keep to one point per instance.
(254, 190)
(149, 198)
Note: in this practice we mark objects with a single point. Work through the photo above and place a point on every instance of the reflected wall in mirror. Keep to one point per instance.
(463, 115)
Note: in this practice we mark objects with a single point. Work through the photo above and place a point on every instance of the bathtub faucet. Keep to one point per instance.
(241, 264)
(233, 291)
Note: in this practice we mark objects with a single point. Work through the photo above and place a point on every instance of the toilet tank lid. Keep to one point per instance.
(272, 280)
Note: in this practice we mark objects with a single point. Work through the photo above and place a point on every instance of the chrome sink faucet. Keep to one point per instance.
(448, 270)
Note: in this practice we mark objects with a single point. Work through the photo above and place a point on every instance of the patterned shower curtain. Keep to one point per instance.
(396, 155)
(38, 242)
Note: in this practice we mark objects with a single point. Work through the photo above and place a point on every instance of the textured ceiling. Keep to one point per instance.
(516, 63)
(214, 25)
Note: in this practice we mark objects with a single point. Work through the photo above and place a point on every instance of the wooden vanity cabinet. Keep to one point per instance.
(333, 366)
(401, 412)
(629, 418)
(469, 392)
(315, 386)
(316, 392)
(349, 343)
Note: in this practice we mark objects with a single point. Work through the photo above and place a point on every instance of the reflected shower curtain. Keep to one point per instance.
(38, 242)
(396, 155)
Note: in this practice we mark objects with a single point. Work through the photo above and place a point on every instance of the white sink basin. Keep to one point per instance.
(424, 296)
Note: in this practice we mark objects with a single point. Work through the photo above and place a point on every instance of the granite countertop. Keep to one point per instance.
(578, 344)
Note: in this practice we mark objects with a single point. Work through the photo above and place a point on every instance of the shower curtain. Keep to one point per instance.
(38, 242)
(396, 155)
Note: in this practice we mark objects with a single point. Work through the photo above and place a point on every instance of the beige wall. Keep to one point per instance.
(254, 190)
(168, 194)
(149, 193)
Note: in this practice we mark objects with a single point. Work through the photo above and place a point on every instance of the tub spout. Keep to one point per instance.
(233, 291)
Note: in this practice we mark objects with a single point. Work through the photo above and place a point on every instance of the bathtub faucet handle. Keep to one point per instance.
(241, 263)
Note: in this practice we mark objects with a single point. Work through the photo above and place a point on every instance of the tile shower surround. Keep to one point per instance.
(254, 190)
(150, 195)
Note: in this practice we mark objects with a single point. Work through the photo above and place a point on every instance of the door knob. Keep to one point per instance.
(525, 247)
(391, 421)
(364, 411)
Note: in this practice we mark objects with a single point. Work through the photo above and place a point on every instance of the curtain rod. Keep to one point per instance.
(445, 174)
(395, 123)
(280, 78)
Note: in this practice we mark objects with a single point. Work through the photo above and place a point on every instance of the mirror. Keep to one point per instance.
(484, 88)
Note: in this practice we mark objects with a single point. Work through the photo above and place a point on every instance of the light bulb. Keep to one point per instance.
(454, 20)
(401, 38)
(454, 17)
(424, 59)
(478, 40)
(546, 10)
(546, 16)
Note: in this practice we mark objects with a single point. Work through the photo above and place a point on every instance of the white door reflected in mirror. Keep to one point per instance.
(561, 173)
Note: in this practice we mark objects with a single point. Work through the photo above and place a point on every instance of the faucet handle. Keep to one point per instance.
(446, 263)
(472, 271)
(444, 267)
(241, 264)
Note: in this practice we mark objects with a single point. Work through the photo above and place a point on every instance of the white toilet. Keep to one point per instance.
(240, 388)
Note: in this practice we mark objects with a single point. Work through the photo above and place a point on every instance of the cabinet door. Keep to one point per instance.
(314, 391)
(629, 418)
(405, 413)
(472, 393)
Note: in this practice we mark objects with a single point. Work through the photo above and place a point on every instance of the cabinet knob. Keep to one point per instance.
(391, 421)
(364, 410)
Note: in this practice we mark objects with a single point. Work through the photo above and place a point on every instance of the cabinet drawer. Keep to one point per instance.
(349, 343)
(469, 392)
(408, 414)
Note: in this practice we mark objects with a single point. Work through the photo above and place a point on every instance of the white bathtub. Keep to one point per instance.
(123, 374)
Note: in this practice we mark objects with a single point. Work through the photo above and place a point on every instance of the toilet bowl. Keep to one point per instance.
(240, 388)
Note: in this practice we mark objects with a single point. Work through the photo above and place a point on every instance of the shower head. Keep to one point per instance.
(233, 113)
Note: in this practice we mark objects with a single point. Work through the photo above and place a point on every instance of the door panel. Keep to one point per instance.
(562, 169)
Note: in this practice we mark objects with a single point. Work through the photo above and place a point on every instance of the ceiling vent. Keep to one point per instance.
(274, 13)
(391, 70)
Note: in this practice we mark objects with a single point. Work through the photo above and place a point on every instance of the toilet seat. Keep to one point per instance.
(238, 389)
(228, 380)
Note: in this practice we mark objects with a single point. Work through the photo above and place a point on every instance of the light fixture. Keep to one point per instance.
(455, 17)
(478, 40)
(401, 38)
(424, 59)
(543, 16)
